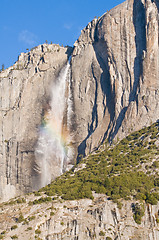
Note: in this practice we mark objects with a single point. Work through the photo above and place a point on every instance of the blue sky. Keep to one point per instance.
(28, 23)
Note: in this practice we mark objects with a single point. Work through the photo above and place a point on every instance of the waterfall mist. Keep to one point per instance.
(53, 147)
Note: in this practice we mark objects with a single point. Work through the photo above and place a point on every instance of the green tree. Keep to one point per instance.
(2, 69)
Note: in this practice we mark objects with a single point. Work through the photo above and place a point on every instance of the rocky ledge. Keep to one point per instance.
(42, 218)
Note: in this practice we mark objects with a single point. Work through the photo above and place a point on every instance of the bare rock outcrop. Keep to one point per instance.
(83, 220)
(114, 90)
(24, 95)
(115, 74)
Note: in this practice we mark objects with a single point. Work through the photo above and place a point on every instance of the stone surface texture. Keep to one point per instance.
(82, 220)
(114, 89)
(24, 93)
(115, 74)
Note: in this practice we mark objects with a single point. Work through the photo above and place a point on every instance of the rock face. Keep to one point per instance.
(115, 74)
(82, 220)
(113, 90)
(25, 93)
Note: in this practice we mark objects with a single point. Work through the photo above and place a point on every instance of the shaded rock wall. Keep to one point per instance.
(113, 89)
(25, 92)
(83, 220)
(115, 74)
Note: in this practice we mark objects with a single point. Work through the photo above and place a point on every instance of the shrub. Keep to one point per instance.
(14, 227)
(37, 194)
(138, 212)
(140, 196)
(101, 233)
(20, 219)
(112, 172)
(21, 200)
(25, 221)
(119, 205)
(29, 228)
(42, 200)
(37, 231)
(11, 202)
(153, 135)
(155, 164)
(31, 218)
(52, 213)
(152, 198)
(14, 237)
(156, 182)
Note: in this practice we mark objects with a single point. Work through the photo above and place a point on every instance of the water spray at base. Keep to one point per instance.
(53, 143)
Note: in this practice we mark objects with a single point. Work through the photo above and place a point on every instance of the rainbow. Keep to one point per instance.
(51, 127)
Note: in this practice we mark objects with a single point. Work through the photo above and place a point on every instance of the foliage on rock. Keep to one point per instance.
(126, 169)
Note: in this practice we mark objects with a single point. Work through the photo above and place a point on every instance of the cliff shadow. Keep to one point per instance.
(139, 21)
(108, 91)
(108, 88)
(94, 122)
(69, 51)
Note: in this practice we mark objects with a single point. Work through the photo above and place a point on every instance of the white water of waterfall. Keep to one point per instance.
(51, 150)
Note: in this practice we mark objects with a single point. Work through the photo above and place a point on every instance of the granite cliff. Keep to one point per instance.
(25, 93)
(106, 196)
(99, 219)
(113, 88)
(115, 74)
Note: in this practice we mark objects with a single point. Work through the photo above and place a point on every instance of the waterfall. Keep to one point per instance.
(53, 142)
